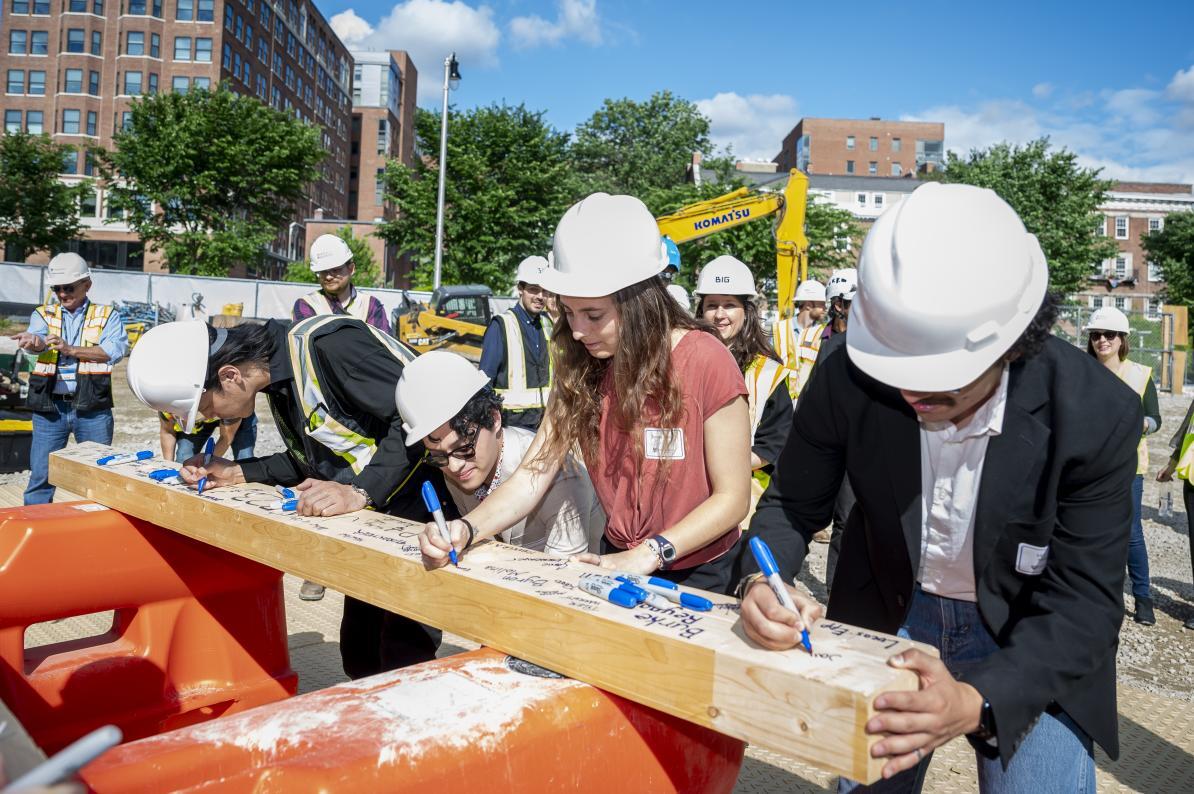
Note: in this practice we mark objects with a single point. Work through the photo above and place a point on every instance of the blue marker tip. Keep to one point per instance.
(808, 646)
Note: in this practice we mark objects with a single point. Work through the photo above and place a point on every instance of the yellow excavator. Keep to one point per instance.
(743, 206)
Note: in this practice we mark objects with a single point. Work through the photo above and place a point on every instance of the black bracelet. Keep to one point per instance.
(472, 533)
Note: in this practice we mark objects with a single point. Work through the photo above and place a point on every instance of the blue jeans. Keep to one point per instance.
(50, 434)
(186, 446)
(1137, 551)
(1055, 756)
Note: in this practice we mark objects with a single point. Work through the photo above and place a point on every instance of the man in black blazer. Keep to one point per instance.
(992, 465)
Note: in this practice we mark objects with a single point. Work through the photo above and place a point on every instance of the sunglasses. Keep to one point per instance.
(64, 289)
(1108, 335)
(466, 451)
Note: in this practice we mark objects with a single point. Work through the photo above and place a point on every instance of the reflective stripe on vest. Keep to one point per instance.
(783, 339)
(1137, 377)
(763, 376)
(807, 349)
(93, 326)
(517, 396)
(358, 307)
(177, 426)
(357, 450)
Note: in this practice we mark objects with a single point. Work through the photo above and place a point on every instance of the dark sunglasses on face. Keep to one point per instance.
(64, 289)
(1108, 335)
(466, 451)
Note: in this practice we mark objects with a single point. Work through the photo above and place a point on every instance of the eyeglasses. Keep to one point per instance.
(1108, 335)
(466, 451)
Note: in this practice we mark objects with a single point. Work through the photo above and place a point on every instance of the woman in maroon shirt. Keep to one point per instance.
(649, 395)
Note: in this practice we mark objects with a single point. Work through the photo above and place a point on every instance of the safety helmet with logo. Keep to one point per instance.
(530, 270)
(959, 240)
(433, 388)
(673, 254)
(167, 369)
(1108, 318)
(603, 244)
(842, 284)
(66, 269)
(810, 291)
(327, 252)
(726, 275)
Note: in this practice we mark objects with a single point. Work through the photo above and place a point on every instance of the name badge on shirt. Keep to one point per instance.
(663, 443)
(1031, 559)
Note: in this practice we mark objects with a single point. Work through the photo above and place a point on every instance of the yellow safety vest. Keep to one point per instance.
(808, 346)
(763, 376)
(1137, 376)
(178, 428)
(93, 326)
(784, 338)
(324, 428)
(517, 396)
(358, 307)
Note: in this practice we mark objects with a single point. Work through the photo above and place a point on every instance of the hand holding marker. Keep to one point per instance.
(208, 449)
(758, 547)
(431, 499)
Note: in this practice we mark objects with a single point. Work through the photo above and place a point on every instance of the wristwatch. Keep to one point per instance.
(364, 493)
(986, 723)
(665, 552)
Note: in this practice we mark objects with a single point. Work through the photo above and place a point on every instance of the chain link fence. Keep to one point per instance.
(1150, 343)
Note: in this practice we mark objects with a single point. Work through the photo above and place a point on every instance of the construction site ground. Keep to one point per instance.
(1156, 664)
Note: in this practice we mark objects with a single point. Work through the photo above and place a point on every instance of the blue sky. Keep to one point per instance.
(1113, 81)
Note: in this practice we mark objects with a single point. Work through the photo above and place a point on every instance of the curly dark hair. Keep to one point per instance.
(248, 344)
(478, 412)
(1032, 341)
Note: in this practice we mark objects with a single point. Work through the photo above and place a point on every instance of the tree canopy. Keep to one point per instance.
(1172, 248)
(210, 177)
(367, 274)
(38, 212)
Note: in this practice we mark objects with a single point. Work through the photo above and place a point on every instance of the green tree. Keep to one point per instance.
(37, 211)
(1173, 249)
(210, 177)
(636, 147)
(367, 273)
(1056, 198)
(507, 185)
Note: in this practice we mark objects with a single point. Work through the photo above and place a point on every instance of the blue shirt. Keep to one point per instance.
(493, 346)
(113, 341)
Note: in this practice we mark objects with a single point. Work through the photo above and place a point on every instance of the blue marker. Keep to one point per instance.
(767, 565)
(286, 493)
(127, 457)
(641, 596)
(610, 590)
(668, 590)
(431, 499)
(208, 448)
(165, 476)
(285, 505)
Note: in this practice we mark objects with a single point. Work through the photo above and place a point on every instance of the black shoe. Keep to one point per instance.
(1189, 623)
(1144, 612)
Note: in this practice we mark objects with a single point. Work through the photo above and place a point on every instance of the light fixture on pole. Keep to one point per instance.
(451, 81)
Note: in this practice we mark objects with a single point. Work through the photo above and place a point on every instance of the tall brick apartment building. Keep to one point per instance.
(863, 147)
(71, 68)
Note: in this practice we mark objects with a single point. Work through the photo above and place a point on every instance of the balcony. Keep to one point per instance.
(1114, 277)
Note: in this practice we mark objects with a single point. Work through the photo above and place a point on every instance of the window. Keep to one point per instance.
(137, 7)
(92, 116)
(850, 142)
(276, 98)
(41, 7)
(263, 51)
(39, 42)
(897, 169)
(78, 7)
(895, 144)
(153, 83)
(877, 200)
(126, 120)
(185, 10)
(93, 82)
(12, 121)
(383, 135)
(203, 50)
(1155, 225)
(1121, 266)
(37, 83)
(860, 198)
(874, 144)
(207, 12)
(16, 81)
(1096, 302)
(265, 16)
(155, 45)
(70, 122)
(180, 85)
(1154, 272)
(73, 81)
(1101, 227)
(246, 74)
(97, 43)
(70, 161)
(34, 124)
(182, 48)
(1121, 228)
(97, 7)
(74, 40)
(849, 166)
(135, 43)
(227, 56)
(249, 37)
(261, 86)
(1122, 303)
(88, 207)
(239, 29)
(132, 83)
(872, 168)
(228, 16)
(379, 187)
(17, 42)
(278, 62)
(1154, 308)
(236, 64)
(201, 83)
(20, 6)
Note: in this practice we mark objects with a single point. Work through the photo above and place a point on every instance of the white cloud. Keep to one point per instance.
(429, 30)
(1042, 90)
(983, 125)
(1181, 87)
(1133, 107)
(577, 19)
(754, 125)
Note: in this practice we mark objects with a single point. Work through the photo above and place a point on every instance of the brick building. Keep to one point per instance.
(71, 68)
(1128, 281)
(863, 147)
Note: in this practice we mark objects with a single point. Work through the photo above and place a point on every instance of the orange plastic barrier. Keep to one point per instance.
(468, 723)
(197, 632)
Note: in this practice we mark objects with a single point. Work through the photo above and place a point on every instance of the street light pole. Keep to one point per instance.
(451, 79)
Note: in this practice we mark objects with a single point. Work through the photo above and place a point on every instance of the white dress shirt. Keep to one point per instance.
(568, 521)
(951, 469)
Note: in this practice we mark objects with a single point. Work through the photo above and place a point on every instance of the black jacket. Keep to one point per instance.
(1059, 475)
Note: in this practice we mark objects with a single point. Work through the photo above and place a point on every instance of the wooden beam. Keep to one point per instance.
(697, 666)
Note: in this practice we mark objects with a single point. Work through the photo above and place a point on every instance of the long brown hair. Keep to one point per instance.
(751, 341)
(641, 369)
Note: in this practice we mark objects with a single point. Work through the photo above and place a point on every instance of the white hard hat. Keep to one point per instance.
(603, 244)
(530, 270)
(810, 290)
(949, 281)
(1108, 318)
(167, 368)
(329, 251)
(66, 269)
(725, 275)
(681, 296)
(843, 283)
(433, 388)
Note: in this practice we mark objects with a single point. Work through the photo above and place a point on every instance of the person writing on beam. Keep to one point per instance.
(649, 395)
